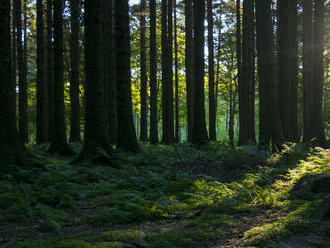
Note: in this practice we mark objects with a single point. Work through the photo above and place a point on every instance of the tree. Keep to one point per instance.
(22, 84)
(153, 74)
(269, 122)
(126, 133)
(199, 122)
(318, 73)
(189, 63)
(167, 72)
(247, 83)
(41, 86)
(11, 151)
(176, 75)
(96, 146)
(109, 70)
(212, 103)
(144, 79)
(287, 67)
(308, 69)
(74, 72)
(59, 143)
(50, 68)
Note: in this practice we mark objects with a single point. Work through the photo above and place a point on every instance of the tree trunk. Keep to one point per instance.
(247, 84)
(199, 122)
(176, 65)
(41, 83)
(308, 69)
(318, 73)
(144, 79)
(153, 74)
(50, 69)
(126, 133)
(189, 63)
(270, 132)
(75, 72)
(59, 140)
(11, 150)
(212, 104)
(22, 114)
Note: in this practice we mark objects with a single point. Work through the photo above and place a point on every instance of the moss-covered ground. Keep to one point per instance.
(171, 197)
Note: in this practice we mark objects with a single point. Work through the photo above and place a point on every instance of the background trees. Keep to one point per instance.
(103, 86)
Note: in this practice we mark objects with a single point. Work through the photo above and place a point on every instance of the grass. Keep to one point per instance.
(175, 196)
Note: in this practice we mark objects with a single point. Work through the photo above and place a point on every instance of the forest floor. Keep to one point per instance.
(171, 197)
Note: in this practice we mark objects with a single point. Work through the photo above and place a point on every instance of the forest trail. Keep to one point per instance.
(171, 197)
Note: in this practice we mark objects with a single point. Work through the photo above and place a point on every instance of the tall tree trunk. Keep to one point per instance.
(167, 77)
(22, 116)
(50, 69)
(14, 48)
(318, 73)
(75, 72)
(59, 140)
(294, 68)
(189, 63)
(126, 133)
(144, 79)
(284, 67)
(41, 84)
(212, 104)
(217, 74)
(96, 138)
(308, 69)
(109, 71)
(176, 65)
(153, 74)
(270, 132)
(247, 84)
(199, 122)
(11, 150)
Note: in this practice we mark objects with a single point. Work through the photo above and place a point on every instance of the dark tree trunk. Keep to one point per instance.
(199, 122)
(270, 132)
(41, 83)
(24, 131)
(75, 72)
(59, 140)
(109, 71)
(22, 114)
(308, 69)
(96, 138)
(189, 63)
(11, 150)
(167, 72)
(247, 84)
(212, 104)
(153, 74)
(318, 73)
(50, 68)
(126, 132)
(285, 84)
(144, 79)
(176, 65)
(14, 48)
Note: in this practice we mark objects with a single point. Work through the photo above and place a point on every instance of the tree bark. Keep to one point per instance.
(153, 74)
(270, 132)
(247, 84)
(41, 83)
(126, 132)
(59, 143)
(75, 72)
(189, 64)
(144, 79)
(318, 73)
(11, 149)
(199, 122)
(212, 104)
(176, 66)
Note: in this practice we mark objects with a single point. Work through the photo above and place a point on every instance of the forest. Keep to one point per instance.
(164, 123)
